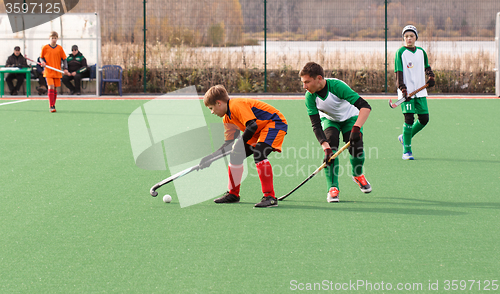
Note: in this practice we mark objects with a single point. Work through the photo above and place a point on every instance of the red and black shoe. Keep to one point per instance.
(362, 183)
(333, 195)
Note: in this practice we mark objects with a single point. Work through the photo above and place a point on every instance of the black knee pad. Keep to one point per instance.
(409, 118)
(423, 119)
(332, 136)
(261, 151)
(355, 150)
(240, 152)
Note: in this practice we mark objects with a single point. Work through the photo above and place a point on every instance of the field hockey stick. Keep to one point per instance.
(394, 105)
(316, 171)
(47, 66)
(153, 189)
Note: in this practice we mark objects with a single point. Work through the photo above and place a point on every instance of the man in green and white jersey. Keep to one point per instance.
(334, 109)
(411, 66)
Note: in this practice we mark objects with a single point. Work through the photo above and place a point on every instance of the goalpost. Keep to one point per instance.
(82, 29)
(497, 57)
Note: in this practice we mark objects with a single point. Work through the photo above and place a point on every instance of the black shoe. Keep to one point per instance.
(78, 93)
(71, 92)
(13, 93)
(227, 198)
(41, 90)
(52, 109)
(268, 201)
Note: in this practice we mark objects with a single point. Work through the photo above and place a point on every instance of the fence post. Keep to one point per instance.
(265, 46)
(144, 29)
(385, 46)
(497, 58)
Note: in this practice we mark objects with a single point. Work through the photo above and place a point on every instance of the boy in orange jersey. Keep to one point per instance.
(264, 128)
(52, 55)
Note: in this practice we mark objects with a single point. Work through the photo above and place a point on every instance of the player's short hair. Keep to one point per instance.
(54, 34)
(312, 69)
(217, 92)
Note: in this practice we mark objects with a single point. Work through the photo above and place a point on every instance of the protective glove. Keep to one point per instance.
(431, 82)
(404, 92)
(405, 95)
(206, 161)
(355, 135)
(328, 154)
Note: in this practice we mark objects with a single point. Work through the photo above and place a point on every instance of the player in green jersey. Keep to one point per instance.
(411, 67)
(335, 109)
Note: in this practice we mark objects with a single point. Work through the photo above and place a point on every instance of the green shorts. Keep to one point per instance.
(416, 105)
(342, 126)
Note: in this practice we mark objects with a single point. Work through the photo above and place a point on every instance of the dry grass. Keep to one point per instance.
(172, 68)
(163, 56)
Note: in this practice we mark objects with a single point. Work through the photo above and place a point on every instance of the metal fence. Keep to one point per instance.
(268, 37)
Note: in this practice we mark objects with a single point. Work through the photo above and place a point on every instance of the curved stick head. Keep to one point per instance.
(153, 193)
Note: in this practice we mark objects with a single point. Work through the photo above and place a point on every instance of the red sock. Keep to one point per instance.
(265, 172)
(235, 173)
(55, 97)
(51, 100)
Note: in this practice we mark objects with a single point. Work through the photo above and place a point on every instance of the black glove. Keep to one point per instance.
(431, 82)
(355, 135)
(404, 92)
(405, 95)
(206, 161)
(328, 154)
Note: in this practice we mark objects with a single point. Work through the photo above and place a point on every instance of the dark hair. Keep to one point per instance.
(312, 69)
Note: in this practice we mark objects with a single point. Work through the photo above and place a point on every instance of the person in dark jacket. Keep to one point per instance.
(15, 60)
(78, 69)
(42, 84)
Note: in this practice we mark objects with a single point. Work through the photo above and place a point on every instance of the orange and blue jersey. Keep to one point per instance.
(271, 124)
(53, 57)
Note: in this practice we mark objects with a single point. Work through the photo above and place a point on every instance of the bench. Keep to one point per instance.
(87, 86)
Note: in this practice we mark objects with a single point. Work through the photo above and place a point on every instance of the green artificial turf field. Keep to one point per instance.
(76, 214)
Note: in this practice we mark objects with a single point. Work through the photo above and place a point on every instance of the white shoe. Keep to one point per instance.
(333, 195)
(400, 139)
(408, 156)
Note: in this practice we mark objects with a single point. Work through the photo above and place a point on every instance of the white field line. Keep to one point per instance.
(12, 102)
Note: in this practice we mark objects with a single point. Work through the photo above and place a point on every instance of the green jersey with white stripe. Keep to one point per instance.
(338, 105)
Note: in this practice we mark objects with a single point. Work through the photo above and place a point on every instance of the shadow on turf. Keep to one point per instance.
(409, 211)
(459, 160)
(487, 205)
(405, 211)
(339, 207)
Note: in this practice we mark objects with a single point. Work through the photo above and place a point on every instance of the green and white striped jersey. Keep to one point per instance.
(337, 105)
